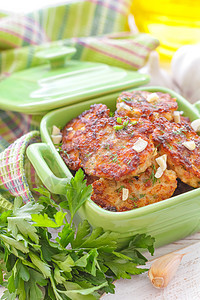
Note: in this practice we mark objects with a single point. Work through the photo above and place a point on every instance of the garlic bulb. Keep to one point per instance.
(164, 268)
(158, 76)
(185, 67)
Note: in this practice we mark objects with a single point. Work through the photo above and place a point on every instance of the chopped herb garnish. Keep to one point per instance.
(119, 120)
(170, 146)
(58, 147)
(134, 122)
(126, 99)
(157, 146)
(106, 146)
(111, 114)
(68, 156)
(142, 195)
(120, 188)
(133, 198)
(89, 154)
(152, 177)
(125, 124)
(122, 126)
(118, 127)
(114, 158)
(179, 131)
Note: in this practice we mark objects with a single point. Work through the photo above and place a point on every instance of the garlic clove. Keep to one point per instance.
(183, 64)
(163, 269)
(196, 125)
(158, 76)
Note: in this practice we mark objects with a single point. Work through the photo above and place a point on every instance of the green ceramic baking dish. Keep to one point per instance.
(167, 221)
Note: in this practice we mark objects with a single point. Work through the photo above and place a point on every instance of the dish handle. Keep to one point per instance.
(197, 106)
(39, 154)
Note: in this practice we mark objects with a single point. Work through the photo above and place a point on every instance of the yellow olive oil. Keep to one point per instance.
(175, 23)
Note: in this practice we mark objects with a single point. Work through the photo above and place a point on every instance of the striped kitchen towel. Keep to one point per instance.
(97, 28)
(16, 170)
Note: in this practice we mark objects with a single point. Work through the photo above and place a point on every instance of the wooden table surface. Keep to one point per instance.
(184, 286)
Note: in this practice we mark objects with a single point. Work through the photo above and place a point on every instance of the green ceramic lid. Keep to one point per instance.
(62, 82)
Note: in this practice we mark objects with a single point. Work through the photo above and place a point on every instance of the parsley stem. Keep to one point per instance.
(58, 297)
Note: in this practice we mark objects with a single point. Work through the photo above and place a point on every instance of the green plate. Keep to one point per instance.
(167, 221)
(40, 89)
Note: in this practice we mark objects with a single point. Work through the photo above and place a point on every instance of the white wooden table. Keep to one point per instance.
(184, 286)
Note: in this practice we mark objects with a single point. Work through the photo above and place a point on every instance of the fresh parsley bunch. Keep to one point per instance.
(77, 265)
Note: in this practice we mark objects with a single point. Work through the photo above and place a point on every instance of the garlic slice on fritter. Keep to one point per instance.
(56, 138)
(162, 162)
(125, 193)
(140, 145)
(159, 173)
(177, 116)
(55, 130)
(196, 125)
(123, 105)
(152, 97)
(190, 145)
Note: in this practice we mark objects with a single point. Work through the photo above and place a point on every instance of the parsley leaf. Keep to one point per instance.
(124, 269)
(77, 192)
(45, 221)
(74, 265)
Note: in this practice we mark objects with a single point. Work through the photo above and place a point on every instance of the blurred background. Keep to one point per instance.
(22, 6)
(175, 23)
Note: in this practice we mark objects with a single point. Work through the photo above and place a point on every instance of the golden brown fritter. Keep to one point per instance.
(142, 190)
(90, 179)
(169, 138)
(106, 147)
(74, 128)
(139, 104)
(185, 119)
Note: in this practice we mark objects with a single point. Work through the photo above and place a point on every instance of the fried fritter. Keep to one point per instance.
(90, 179)
(142, 190)
(74, 128)
(146, 104)
(185, 119)
(106, 147)
(169, 138)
